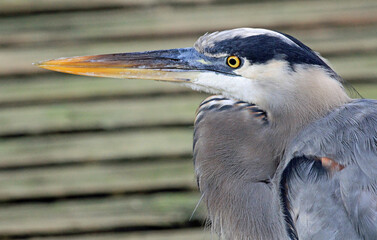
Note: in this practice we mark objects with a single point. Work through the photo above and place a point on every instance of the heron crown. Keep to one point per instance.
(258, 46)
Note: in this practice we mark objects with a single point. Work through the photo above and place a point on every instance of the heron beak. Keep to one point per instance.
(174, 65)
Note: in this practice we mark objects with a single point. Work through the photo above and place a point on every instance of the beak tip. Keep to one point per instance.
(37, 64)
(41, 64)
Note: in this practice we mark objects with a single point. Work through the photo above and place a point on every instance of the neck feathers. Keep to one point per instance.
(234, 173)
(311, 92)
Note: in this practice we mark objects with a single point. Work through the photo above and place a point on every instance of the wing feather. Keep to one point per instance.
(343, 204)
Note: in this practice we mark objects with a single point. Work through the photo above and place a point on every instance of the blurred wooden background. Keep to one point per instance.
(89, 158)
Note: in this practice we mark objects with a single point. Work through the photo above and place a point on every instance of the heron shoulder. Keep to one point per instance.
(343, 132)
(320, 202)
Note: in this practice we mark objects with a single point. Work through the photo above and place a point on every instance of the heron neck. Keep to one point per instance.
(235, 173)
(315, 94)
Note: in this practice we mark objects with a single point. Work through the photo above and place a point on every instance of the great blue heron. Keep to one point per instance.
(283, 152)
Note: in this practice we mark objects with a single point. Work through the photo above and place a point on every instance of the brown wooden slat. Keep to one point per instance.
(96, 180)
(105, 115)
(17, 7)
(98, 215)
(267, 11)
(356, 67)
(95, 147)
(366, 90)
(163, 22)
(192, 234)
(341, 41)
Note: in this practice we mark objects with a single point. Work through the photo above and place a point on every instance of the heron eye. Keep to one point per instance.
(233, 61)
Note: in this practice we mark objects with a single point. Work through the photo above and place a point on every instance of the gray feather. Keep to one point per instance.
(342, 205)
(234, 173)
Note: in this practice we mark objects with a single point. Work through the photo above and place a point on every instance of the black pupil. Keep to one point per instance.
(232, 61)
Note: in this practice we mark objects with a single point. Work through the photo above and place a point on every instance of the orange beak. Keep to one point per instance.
(174, 65)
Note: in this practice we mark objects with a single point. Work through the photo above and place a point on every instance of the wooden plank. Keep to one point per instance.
(339, 41)
(93, 147)
(16, 7)
(137, 22)
(96, 179)
(24, 6)
(99, 115)
(365, 90)
(356, 67)
(163, 22)
(99, 215)
(192, 234)
(104, 115)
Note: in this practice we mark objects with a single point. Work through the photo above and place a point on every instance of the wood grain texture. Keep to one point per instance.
(100, 115)
(163, 22)
(99, 215)
(92, 180)
(91, 147)
(192, 234)
(23, 7)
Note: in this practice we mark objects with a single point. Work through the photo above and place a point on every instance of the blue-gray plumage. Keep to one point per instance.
(338, 203)
(283, 152)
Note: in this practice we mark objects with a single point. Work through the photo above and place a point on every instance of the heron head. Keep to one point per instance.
(264, 67)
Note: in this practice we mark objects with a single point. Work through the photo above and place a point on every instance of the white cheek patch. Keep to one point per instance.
(273, 80)
(273, 69)
(230, 86)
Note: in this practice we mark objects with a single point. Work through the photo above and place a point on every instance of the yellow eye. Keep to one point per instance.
(233, 61)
